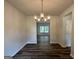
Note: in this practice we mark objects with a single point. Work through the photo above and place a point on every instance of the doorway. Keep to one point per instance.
(68, 29)
(43, 34)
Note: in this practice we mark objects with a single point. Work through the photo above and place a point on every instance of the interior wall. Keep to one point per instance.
(61, 32)
(54, 38)
(13, 37)
(62, 35)
(67, 22)
(19, 30)
(30, 30)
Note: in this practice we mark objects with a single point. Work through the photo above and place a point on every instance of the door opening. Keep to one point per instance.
(68, 29)
(43, 34)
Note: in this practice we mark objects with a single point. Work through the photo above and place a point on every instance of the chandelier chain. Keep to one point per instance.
(42, 5)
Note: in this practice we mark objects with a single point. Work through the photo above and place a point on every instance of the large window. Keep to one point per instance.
(44, 29)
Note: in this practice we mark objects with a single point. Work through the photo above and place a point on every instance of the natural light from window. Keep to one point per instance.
(44, 29)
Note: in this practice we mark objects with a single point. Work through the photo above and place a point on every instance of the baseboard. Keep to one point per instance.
(22, 47)
(72, 55)
(19, 49)
(53, 42)
(58, 43)
(31, 42)
(7, 57)
(64, 46)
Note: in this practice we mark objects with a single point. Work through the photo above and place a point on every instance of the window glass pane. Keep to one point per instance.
(41, 29)
(44, 29)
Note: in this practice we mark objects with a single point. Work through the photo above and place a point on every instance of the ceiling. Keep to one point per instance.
(33, 7)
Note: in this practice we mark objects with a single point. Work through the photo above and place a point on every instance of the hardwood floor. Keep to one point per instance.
(53, 51)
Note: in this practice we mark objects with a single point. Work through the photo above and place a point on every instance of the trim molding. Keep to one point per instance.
(62, 45)
(31, 42)
(22, 47)
(19, 49)
(53, 42)
(59, 44)
(72, 55)
(7, 57)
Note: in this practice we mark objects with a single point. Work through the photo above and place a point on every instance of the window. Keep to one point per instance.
(44, 29)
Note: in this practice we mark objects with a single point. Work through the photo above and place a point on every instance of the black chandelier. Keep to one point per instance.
(42, 17)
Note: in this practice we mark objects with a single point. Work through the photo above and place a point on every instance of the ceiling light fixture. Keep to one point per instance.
(42, 17)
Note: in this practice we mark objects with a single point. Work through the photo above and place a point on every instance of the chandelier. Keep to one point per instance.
(42, 17)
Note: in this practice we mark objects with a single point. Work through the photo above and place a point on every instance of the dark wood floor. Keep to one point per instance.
(53, 51)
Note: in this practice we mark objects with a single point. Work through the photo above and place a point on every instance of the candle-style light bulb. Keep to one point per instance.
(45, 19)
(35, 17)
(41, 15)
(38, 19)
(48, 17)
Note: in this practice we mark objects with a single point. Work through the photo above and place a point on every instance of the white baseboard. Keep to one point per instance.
(22, 47)
(7, 57)
(19, 49)
(31, 42)
(58, 43)
(72, 55)
(62, 45)
(53, 42)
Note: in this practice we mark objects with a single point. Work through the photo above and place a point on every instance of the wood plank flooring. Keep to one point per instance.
(53, 51)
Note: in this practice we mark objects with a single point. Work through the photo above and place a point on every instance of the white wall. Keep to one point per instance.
(67, 22)
(72, 42)
(30, 30)
(18, 30)
(62, 35)
(53, 29)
